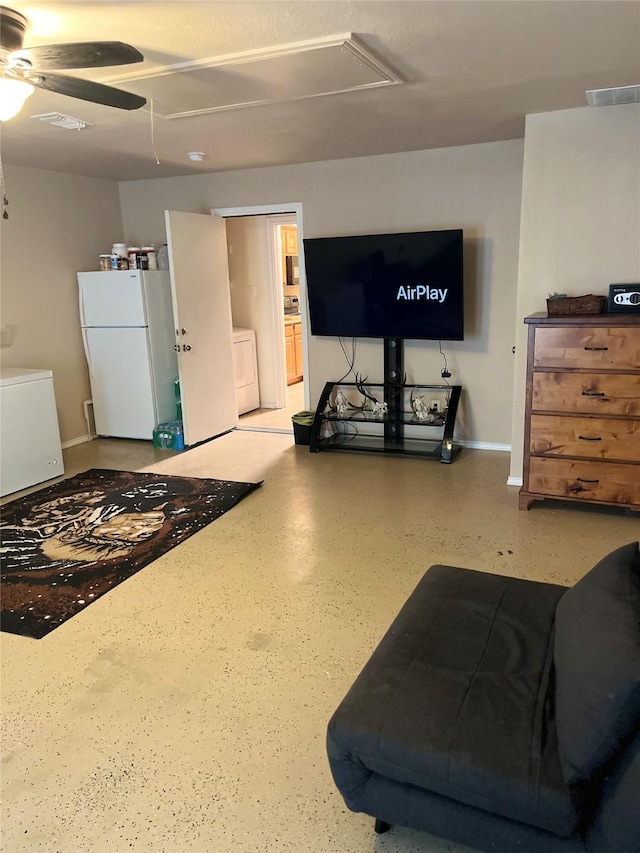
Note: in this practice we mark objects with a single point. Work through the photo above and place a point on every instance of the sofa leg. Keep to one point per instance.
(382, 826)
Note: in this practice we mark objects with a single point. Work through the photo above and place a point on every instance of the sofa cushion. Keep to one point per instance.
(453, 701)
(616, 827)
(597, 660)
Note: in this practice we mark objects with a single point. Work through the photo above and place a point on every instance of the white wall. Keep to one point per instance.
(580, 227)
(580, 222)
(476, 187)
(58, 224)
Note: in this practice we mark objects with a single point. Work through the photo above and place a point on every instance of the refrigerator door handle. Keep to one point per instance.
(81, 303)
(85, 344)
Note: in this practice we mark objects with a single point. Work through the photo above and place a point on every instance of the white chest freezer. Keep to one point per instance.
(30, 449)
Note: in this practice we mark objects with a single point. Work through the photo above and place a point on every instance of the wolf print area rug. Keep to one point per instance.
(66, 545)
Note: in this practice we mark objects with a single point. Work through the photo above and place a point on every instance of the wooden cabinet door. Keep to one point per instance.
(289, 246)
(290, 239)
(297, 345)
(290, 353)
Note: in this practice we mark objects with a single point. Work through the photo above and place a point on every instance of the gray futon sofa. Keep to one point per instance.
(502, 713)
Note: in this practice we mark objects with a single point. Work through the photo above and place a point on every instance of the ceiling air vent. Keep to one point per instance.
(613, 97)
(60, 120)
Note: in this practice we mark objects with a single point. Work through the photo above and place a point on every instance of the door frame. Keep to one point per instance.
(273, 223)
(275, 290)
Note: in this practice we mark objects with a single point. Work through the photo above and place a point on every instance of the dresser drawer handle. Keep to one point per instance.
(596, 349)
(593, 394)
(580, 480)
(586, 438)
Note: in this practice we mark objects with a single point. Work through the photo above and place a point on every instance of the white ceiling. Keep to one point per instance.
(470, 69)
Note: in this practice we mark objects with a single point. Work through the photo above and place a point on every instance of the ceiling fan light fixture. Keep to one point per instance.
(13, 94)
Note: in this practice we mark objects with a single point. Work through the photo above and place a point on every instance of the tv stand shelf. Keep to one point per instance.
(345, 419)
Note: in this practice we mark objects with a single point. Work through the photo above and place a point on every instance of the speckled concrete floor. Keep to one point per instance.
(276, 419)
(185, 711)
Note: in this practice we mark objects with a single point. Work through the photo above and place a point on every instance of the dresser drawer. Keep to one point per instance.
(588, 347)
(593, 438)
(588, 393)
(610, 482)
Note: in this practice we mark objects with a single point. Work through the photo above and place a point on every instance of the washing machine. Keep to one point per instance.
(245, 369)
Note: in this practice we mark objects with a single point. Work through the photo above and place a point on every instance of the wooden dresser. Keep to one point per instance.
(582, 417)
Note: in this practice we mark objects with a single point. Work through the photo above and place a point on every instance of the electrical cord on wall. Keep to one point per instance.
(350, 361)
(445, 370)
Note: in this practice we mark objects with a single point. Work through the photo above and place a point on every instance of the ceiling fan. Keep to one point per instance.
(23, 68)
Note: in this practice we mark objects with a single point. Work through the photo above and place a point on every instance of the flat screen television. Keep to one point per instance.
(387, 285)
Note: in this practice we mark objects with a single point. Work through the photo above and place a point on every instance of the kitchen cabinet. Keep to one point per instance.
(289, 239)
(582, 419)
(293, 350)
(289, 244)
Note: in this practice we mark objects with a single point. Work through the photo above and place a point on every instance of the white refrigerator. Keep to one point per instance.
(128, 334)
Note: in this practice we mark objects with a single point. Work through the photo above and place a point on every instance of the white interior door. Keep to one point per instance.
(199, 271)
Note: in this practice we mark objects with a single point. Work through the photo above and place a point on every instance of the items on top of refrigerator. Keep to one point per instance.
(163, 257)
(132, 252)
(150, 251)
(123, 257)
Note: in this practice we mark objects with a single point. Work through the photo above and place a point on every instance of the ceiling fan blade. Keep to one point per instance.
(88, 54)
(87, 90)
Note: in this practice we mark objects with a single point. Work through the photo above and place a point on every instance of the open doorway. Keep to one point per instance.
(267, 284)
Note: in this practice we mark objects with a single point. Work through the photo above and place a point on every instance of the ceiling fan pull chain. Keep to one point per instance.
(153, 141)
(5, 200)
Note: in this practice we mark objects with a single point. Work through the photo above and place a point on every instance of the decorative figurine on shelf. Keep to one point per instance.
(379, 410)
(420, 409)
(342, 404)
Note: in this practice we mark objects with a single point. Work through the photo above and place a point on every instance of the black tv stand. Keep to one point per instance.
(393, 378)
(388, 416)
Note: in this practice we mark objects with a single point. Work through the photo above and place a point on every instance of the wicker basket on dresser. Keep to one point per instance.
(582, 417)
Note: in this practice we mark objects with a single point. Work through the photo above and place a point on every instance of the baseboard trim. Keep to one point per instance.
(514, 481)
(82, 439)
(486, 445)
(280, 431)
